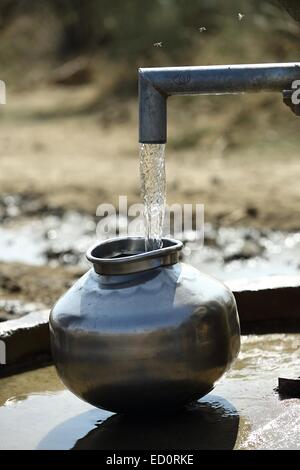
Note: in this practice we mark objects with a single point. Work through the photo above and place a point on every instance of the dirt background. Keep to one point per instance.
(247, 175)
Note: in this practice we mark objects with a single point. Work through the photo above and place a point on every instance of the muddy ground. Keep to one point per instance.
(25, 288)
(59, 154)
(55, 147)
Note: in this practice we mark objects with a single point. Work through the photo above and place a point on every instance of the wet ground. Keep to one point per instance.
(243, 412)
(36, 235)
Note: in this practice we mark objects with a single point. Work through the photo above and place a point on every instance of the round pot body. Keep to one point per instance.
(142, 331)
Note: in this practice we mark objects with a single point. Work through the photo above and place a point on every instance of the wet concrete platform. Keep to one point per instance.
(243, 412)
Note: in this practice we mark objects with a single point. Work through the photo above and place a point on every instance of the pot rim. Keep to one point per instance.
(112, 256)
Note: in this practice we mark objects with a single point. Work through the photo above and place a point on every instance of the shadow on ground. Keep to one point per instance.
(211, 423)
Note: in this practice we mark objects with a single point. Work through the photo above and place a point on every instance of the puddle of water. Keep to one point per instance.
(18, 387)
(242, 253)
(243, 412)
(279, 355)
(50, 240)
(10, 309)
(228, 253)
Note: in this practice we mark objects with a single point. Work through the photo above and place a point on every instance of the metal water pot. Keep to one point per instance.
(142, 331)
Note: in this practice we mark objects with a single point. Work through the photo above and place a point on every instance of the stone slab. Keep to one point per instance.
(25, 342)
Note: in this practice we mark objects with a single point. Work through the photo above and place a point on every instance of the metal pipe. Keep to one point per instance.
(157, 84)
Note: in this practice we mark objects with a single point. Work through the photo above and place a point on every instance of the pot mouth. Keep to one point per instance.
(117, 256)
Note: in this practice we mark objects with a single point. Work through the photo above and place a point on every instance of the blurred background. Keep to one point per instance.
(69, 133)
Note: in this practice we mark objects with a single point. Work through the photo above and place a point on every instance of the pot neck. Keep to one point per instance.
(124, 256)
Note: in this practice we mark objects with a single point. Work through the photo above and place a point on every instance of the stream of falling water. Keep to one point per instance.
(153, 190)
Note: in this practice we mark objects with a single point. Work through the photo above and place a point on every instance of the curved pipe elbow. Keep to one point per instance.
(152, 113)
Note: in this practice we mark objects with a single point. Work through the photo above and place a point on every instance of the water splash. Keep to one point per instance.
(153, 190)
